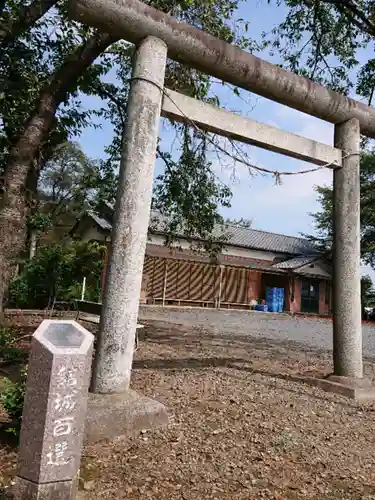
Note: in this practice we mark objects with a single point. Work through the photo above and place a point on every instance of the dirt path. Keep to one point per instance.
(240, 427)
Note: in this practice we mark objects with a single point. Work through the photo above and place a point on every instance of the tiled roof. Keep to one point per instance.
(261, 240)
(249, 238)
(296, 262)
(235, 236)
(100, 221)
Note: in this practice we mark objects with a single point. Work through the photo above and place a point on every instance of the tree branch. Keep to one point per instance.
(27, 17)
(77, 63)
(104, 92)
(22, 158)
(165, 158)
(51, 96)
(358, 16)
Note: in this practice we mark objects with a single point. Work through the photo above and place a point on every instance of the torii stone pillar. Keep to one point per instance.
(347, 378)
(114, 354)
(347, 316)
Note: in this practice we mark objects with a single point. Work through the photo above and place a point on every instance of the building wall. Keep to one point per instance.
(185, 281)
(324, 300)
(319, 268)
(91, 233)
(192, 277)
(182, 249)
(229, 253)
(188, 254)
(295, 305)
(254, 289)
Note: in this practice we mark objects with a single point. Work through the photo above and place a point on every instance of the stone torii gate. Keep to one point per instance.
(157, 35)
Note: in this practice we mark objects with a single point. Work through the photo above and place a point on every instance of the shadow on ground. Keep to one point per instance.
(281, 354)
(161, 332)
(5, 494)
(8, 438)
(177, 364)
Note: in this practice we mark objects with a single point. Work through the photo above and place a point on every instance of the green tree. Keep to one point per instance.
(44, 61)
(57, 271)
(324, 218)
(68, 181)
(367, 292)
(67, 185)
(46, 64)
(324, 40)
(321, 39)
(188, 192)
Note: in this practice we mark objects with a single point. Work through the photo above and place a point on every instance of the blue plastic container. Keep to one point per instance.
(273, 306)
(272, 292)
(275, 299)
(272, 295)
(261, 307)
(281, 294)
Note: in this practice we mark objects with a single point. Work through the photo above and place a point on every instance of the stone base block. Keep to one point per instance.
(111, 416)
(359, 389)
(27, 490)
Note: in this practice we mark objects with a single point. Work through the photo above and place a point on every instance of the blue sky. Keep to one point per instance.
(283, 209)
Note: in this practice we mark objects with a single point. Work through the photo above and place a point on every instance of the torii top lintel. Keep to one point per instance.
(133, 20)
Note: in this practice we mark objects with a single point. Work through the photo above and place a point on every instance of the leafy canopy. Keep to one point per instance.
(33, 48)
(57, 271)
(323, 219)
(332, 42)
(323, 40)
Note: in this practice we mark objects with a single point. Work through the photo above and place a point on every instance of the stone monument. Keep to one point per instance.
(54, 411)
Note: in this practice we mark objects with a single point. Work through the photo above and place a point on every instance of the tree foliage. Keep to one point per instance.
(323, 219)
(367, 292)
(68, 181)
(324, 40)
(188, 191)
(57, 271)
(321, 39)
(245, 223)
(47, 64)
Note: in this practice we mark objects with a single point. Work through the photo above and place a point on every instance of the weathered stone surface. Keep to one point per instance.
(358, 389)
(112, 416)
(347, 320)
(114, 354)
(55, 402)
(28, 490)
(178, 106)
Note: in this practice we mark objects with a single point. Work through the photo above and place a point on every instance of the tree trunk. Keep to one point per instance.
(13, 204)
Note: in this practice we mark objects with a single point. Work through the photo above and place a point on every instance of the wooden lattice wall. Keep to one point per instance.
(182, 280)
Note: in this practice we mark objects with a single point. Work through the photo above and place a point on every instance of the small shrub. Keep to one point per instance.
(8, 352)
(12, 394)
(12, 398)
(57, 270)
(18, 292)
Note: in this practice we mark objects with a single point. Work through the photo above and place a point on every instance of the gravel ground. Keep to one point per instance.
(240, 427)
(314, 331)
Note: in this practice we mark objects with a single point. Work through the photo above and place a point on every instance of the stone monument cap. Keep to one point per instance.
(63, 336)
